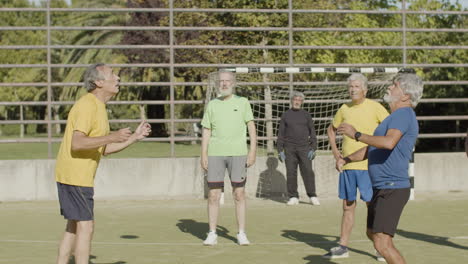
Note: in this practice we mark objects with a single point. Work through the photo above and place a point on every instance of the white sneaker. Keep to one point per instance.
(314, 200)
(211, 239)
(242, 239)
(379, 257)
(293, 201)
(221, 199)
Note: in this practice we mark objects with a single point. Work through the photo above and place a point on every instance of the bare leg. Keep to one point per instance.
(384, 244)
(347, 221)
(67, 243)
(84, 235)
(213, 207)
(370, 235)
(240, 201)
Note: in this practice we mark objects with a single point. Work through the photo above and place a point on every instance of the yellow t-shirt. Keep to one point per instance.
(365, 117)
(89, 116)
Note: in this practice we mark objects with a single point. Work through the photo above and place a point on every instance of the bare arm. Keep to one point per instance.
(253, 144)
(388, 141)
(206, 134)
(142, 131)
(331, 132)
(80, 141)
(358, 155)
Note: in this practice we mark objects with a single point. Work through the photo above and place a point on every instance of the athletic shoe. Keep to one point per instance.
(242, 239)
(211, 239)
(337, 252)
(314, 200)
(293, 201)
(379, 257)
(221, 199)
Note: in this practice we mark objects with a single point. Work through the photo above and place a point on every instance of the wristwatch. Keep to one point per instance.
(357, 135)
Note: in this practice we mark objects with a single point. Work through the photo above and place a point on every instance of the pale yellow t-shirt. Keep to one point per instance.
(365, 117)
(89, 116)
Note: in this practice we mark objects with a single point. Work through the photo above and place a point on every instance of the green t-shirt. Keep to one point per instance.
(227, 120)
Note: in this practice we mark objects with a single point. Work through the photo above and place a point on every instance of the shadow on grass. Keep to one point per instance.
(129, 236)
(271, 182)
(324, 242)
(92, 257)
(315, 259)
(439, 240)
(199, 229)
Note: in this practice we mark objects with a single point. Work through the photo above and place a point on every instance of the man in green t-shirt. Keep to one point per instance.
(224, 146)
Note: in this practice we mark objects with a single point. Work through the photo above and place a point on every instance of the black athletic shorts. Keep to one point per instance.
(385, 208)
(76, 202)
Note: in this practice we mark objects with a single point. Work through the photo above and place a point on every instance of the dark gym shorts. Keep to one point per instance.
(76, 202)
(385, 208)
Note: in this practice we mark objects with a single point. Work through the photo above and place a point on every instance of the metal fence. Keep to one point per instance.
(172, 65)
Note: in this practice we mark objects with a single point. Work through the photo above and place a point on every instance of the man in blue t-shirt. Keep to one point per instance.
(388, 153)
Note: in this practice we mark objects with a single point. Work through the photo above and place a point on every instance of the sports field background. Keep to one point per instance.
(433, 229)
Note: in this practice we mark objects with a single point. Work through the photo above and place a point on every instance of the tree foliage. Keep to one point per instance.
(227, 55)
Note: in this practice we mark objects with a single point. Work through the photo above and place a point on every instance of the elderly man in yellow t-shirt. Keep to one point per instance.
(85, 140)
(365, 115)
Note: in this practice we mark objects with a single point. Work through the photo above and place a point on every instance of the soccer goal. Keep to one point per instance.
(325, 90)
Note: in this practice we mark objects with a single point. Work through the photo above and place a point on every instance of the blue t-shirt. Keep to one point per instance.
(388, 169)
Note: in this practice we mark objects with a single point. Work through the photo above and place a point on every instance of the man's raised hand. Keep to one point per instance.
(143, 130)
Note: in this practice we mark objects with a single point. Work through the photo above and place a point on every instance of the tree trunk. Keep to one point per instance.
(58, 128)
(142, 112)
(156, 111)
(268, 106)
(21, 125)
(268, 116)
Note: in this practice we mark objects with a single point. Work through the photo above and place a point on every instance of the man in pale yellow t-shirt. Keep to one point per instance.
(365, 115)
(85, 140)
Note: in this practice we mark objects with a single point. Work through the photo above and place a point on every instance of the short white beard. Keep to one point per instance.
(390, 99)
(225, 92)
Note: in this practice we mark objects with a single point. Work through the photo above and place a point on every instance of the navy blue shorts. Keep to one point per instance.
(76, 202)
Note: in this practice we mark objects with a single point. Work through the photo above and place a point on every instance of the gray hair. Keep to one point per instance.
(91, 75)
(233, 74)
(358, 77)
(296, 94)
(412, 85)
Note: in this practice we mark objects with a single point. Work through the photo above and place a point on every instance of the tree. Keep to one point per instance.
(83, 56)
(18, 56)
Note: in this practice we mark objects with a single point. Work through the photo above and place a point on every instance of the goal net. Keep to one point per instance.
(325, 90)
